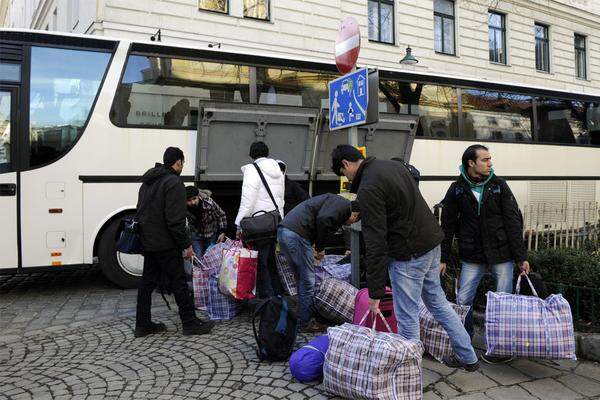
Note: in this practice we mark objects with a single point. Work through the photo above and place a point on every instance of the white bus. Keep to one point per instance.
(82, 118)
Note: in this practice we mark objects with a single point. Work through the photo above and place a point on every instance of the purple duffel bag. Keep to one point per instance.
(306, 363)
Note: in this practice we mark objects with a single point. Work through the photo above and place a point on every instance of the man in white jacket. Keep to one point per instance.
(256, 198)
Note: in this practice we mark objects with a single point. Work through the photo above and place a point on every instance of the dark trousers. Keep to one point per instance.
(267, 279)
(164, 269)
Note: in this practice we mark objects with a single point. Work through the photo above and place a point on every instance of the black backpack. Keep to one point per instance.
(276, 334)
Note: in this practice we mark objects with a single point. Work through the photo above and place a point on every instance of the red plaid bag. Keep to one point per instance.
(200, 282)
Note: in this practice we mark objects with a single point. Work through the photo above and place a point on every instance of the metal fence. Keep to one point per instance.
(552, 225)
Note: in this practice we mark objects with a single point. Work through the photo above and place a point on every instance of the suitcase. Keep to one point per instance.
(386, 305)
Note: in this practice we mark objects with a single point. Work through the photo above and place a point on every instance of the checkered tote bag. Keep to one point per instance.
(327, 268)
(287, 276)
(220, 307)
(433, 335)
(200, 275)
(334, 300)
(213, 257)
(364, 364)
(527, 326)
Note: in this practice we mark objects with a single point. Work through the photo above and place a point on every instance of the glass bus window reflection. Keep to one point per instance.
(567, 121)
(292, 87)
(64, 85)
(490, 115)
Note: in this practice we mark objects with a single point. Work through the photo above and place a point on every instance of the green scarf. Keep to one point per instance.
(476, 187)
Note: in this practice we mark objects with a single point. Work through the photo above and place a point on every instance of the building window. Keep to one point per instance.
(220, 6)
(497, 37)
(443, 15)
(257, 9)
(580, 56)
(381, 21)
(542, 48)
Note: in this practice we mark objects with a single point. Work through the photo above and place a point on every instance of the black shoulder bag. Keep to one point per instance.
(261, 227)
(129, 241)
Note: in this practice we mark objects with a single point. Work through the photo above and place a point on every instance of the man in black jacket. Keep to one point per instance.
(481, 211)
(402, 238)
(165, 236)
(312, 222)
(294, 193)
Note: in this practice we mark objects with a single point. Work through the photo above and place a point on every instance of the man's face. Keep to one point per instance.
(178, 167)
(193, 201)
(482, 165)
(349, 169)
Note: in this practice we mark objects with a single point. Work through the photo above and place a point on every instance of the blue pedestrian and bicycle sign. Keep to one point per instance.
(349, 99)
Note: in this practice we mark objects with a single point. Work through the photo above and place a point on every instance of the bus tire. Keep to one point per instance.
(123, 270)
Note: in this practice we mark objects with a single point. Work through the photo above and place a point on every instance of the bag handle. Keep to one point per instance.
(518, 287)
(264, 181)
(362, 321)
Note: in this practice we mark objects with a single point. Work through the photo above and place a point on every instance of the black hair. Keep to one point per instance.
(191, 191)
(172, 155)
(471, 154)
(258, 150)
(344, 152)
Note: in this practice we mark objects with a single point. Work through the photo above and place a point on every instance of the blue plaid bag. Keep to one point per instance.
(220, 307)
(527, 326)
(328, 268)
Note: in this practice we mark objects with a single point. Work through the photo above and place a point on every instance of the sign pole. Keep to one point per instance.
(353, 130)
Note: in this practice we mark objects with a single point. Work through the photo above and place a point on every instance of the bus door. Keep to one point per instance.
(9, 256)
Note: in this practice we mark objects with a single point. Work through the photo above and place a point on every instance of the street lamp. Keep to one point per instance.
(409, 59)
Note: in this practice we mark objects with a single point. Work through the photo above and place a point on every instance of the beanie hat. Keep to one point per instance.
(191, 191)
(172, 155)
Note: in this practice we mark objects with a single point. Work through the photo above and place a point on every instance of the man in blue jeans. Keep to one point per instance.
(311, 223)
(402, 239)
(481, 211)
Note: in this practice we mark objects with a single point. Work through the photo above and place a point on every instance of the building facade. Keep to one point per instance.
(553, 44)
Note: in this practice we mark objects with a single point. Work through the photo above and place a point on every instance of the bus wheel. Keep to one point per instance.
(124, 270)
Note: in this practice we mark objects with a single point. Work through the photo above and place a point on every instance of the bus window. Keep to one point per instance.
(164, 92)
(64, 85)
(293, 88)
(436, 105)
(10, 72)
(490, 115)
(563, 121)
(5, 110)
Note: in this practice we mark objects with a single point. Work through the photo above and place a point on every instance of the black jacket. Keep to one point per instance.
(396, 220)
(163, 221)
(294, 195)
(495, 236)
(318, 217)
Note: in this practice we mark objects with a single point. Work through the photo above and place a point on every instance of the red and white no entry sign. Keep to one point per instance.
(347, 45)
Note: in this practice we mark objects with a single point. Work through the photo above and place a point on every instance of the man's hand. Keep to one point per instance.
(443, 268)
(188, 253)
(320, 255)
(374, 305)
(221, 238)
(524, 267)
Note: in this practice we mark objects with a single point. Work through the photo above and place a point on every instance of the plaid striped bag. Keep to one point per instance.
(527, 326)
(200, 276)
(328, 268)
(364, 364)
(213, 257)
(434, 337)
(220, 307)
(287, 276)
(334, 300)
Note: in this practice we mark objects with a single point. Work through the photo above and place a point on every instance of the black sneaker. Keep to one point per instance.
(496, 359)
(453, 362)
(151, 328)
(197, 327)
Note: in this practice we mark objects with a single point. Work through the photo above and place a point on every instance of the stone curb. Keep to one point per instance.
(587, 344)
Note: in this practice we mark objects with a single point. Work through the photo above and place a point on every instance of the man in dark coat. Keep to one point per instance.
(294, 193)
(311, 223)
(402, 239)
(481, 211)
(165, 236)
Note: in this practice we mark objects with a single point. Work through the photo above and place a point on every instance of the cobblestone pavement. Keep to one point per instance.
(69, 335)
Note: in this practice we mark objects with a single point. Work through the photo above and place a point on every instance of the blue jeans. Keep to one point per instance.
(200, 244)
(470, 277)
(419, 279)
(299, 255)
